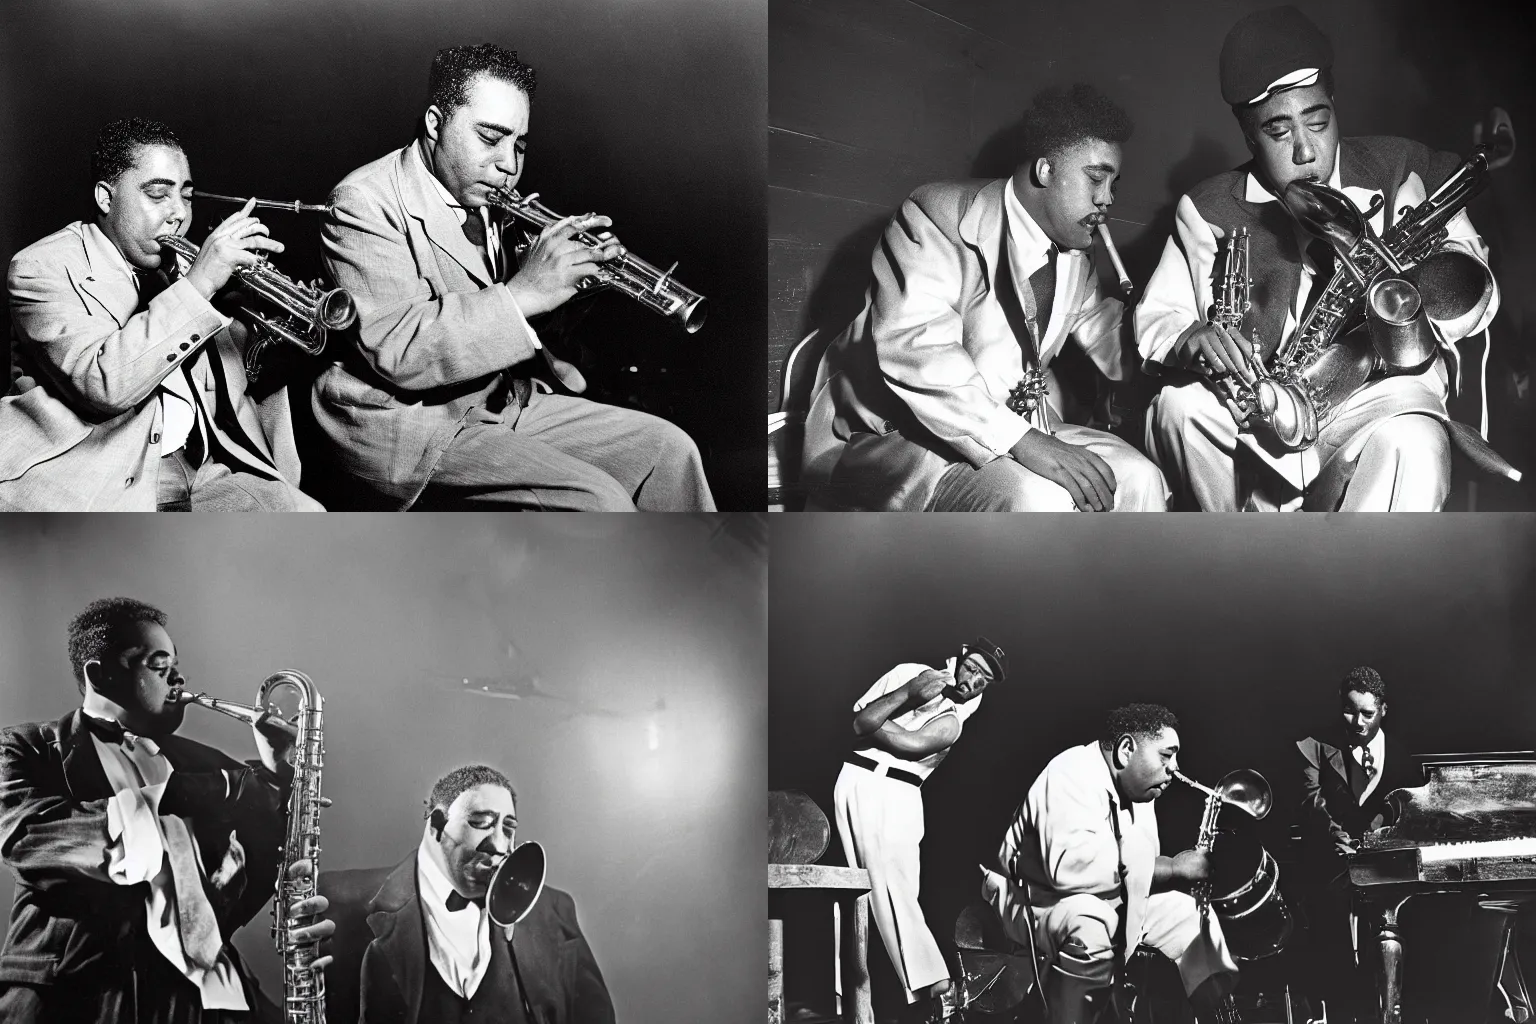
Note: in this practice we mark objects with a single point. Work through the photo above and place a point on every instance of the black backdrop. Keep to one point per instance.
(1242, 626)
(652, 113)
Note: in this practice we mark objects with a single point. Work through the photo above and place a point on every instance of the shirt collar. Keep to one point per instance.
(459, 212)
(435, 886)
(1255, 192)
(1028, 240)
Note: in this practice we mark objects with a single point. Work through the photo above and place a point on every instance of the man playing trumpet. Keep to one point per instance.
(435, 396)
(130, 392)
(1084, 878)
(137, 853)
(940, 395)
(1384, 449)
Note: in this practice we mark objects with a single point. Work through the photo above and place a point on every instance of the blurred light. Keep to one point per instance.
(653, 734)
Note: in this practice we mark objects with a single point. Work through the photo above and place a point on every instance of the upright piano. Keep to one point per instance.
(1469, 830)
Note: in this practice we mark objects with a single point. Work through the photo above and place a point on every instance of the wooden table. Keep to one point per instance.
(849, 888)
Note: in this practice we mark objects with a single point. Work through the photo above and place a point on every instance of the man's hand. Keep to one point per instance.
(1189, 867)
(274, 743)
(238, 242)
(303, 926)
(1212, 349)
(229, 880)
(1086, 477)
(927, 685)
(557, 262)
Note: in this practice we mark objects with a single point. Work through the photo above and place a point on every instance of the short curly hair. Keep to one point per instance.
(96, 633)
(117, 146)
(454, 68)
(1364, 679)
(1060, 117)
(461, 780)
(1144, 721)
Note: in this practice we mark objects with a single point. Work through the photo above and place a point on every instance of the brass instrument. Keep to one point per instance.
(303, 986)
(307, 311)
(292, 206)
(1332, 353)
(1244, 888)
(655, 289)
(516, 884)
(1227, 311)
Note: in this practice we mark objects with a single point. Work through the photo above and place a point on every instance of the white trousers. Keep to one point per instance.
(1085, 925)
(880, 822)
(1005, 486)
(1387, 434)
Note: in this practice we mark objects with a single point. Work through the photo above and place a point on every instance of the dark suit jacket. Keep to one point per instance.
(1329, 811)
(68, 918)
(380, 951)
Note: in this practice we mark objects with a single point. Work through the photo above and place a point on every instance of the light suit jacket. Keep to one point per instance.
(934, 354)
(80, 429)
(435, 336)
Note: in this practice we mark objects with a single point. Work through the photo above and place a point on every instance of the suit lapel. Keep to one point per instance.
(423, 203)
(82, 768)
(981, 227)
(107, 279)
(395, 917)
(536, 963)
(1336, 761)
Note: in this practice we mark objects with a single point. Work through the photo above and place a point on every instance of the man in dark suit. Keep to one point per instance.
(137, 853)
(1345, 781)
(414, 942)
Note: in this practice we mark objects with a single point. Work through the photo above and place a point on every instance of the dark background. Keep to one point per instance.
(870, 98)
(1242, 626)
(661, 849)
(651, 113)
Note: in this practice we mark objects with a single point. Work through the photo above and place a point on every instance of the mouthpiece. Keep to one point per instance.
(1114, 258)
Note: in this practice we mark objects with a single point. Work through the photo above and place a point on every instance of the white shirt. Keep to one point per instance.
(493, 252)
(458, 943)
(1378, 749)
(916, 718)
(136, 852)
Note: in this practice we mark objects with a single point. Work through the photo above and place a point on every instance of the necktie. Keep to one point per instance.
(1043, 283)
(1363, 769)
(474, 228)
(456, 902)
(1321, 254)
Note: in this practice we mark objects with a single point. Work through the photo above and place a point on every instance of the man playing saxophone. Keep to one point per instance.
(1084, 879)
(1385, 447)
(130, 392)
(435, 397)
(137, 853)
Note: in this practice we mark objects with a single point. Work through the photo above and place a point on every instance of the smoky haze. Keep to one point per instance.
(653, 817)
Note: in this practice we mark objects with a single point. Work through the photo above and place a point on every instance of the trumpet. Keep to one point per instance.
(303, 986)
(307, 312)
(655, 289)
(291, 205)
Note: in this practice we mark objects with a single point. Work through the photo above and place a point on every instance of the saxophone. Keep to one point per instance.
(303, 986)
(1227, 312)
(1379, 313)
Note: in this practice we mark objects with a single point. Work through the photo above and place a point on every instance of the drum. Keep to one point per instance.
(1245, 894)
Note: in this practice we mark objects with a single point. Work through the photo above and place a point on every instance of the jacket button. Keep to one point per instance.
(889, 426)
(185, 345)
(128, 482)
(195, 337)
(154, 438)
(170, 358)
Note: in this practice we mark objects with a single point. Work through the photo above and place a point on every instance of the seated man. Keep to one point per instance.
(414, 942)
(940, 395)
(1083, 877)
(130, 391)
(1385, 448)
(435, 396)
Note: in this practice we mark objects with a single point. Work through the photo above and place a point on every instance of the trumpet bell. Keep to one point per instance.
(1246, 789)
(516, 885)
(336, 310)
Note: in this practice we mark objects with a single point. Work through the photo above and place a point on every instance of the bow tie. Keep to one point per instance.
(113, 732)
(457, 902)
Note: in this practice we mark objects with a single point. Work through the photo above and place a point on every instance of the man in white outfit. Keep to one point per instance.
(1084, 879)
(904, 726)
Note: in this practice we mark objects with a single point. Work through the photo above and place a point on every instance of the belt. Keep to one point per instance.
(869, 763)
